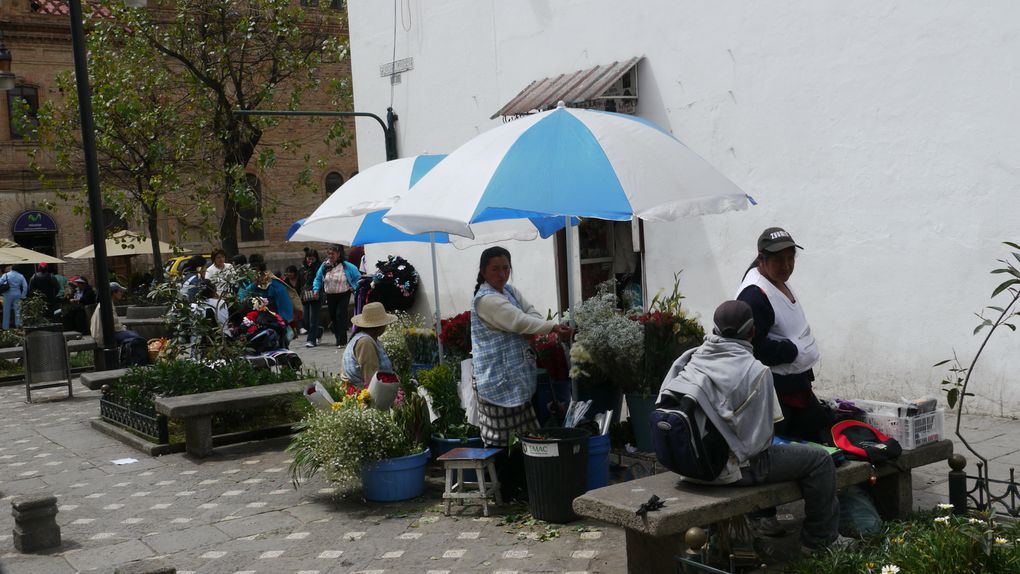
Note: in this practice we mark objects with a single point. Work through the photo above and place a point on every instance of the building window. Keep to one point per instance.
(333, 181)
(249, 216)
(23, 98)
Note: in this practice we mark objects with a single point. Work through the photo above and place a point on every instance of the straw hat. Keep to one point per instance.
(373, 315)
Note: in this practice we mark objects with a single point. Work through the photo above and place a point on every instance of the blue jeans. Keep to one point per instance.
(311, 318)
(12, 304)
(815, 473)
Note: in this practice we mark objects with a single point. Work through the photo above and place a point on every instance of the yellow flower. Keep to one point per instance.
(1001, 541)
(336, 406)
(870, 566)
(897, 540)
(364, 396)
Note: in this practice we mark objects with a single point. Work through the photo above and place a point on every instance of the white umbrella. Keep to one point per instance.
(566, 163)
(353, 215)
(13, 254)
(121, 243)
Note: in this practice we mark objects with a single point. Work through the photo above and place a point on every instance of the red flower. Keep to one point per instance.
(457, 332)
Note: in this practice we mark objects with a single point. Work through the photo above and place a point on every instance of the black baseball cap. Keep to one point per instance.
(733, 319)
(776, 239)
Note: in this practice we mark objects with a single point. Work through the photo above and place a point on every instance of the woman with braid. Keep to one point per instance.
(502, 322)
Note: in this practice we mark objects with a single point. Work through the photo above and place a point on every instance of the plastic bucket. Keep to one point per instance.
(641, 407)
(556, 466)
(598, 462)
(544, 393)
(395, 478)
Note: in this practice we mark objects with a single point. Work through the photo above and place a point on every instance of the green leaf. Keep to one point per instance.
(951, 396)
(1005, 285)
(1011, 244)
(1011, 326)
(940, 363)
(998, 309)
(979, 327)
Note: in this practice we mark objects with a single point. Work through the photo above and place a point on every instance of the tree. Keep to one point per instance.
(244, 55)
(146, 154)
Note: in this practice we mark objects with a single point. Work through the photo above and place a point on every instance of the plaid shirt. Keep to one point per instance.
(504, 363)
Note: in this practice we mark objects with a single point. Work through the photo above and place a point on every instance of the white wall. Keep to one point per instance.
(882, 136)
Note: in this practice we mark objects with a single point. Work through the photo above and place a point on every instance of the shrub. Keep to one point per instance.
(340, 441)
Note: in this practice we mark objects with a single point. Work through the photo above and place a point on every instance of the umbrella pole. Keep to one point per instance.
(435, 290)
(570, 291)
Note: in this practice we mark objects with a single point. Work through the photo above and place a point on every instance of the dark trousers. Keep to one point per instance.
(336, 304)
(310, 312)
(513, 484)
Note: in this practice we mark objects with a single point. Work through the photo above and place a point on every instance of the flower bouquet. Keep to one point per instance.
(456, 337)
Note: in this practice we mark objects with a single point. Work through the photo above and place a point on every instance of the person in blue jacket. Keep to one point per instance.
(337, 279)
(270, 287)
(16, 290)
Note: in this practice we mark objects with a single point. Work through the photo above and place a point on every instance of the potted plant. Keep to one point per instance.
(354, 444)
(607, 353)
(668, 332)
(451, 429)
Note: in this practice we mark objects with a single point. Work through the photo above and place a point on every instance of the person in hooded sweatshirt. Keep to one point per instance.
(735, 392)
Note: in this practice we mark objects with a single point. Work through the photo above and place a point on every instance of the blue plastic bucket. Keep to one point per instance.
(395, 478)
(598, 462)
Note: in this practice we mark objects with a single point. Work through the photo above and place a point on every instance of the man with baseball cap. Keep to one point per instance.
(735, 399)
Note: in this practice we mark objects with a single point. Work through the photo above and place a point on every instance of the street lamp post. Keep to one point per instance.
(389, 130)
(88, 142)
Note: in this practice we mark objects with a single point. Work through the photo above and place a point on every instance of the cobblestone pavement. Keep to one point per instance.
(239, 512)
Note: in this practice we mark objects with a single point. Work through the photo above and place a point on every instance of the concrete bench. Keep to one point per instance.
(96, 379)
(654, 539)
(74, 345)
(198, 409)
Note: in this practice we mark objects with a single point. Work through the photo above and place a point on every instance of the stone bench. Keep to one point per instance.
(654, 539)
(198, 409)
(74, 345)
(96, 379)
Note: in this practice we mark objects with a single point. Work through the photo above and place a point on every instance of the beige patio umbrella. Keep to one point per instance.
(13, 254)
(121, 243)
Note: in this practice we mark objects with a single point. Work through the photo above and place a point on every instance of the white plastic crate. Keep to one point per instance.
(910, 432)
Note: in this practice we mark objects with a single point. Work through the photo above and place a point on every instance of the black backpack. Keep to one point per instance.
(5, 285)
(682, 447)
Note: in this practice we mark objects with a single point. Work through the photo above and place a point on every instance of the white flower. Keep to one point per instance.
(890, 569)
(1001, 541)
(973, 521)
(945, 506)
(942, 519)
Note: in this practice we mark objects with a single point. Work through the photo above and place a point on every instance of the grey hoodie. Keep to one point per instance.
(732, 388)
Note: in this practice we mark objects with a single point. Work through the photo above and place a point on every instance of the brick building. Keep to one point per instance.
(37, 34)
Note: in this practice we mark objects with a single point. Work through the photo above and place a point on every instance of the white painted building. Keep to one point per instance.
(881, 135)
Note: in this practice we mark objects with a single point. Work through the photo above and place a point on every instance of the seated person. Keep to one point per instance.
(364, 355)
(734, 392)
(139, 354)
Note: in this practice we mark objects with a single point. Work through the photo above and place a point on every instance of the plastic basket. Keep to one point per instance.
(910, 432)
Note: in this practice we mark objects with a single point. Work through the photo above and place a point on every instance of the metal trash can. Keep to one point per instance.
(556, 467)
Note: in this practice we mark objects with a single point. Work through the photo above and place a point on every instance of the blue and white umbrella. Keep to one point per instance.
(566, 163)
(353, 215)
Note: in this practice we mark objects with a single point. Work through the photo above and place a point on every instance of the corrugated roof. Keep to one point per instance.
(572, 88)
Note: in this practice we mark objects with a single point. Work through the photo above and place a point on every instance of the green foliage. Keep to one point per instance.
(609, 346)
(11, 338)
(35, 311)
(395, 344)
(928, 543)
(413, 417)
(141, 385)
(955, 383)
(441, 383)
(340, 441)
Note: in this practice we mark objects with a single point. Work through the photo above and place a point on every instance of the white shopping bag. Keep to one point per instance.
(318, 396)
(468, 396)
(383, 390)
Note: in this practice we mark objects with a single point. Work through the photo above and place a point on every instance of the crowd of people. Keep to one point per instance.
(71, 297)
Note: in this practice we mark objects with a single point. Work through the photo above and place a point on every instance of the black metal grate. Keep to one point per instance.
(153, 427)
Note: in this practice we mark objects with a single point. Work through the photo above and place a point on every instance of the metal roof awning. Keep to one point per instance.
(609, 81)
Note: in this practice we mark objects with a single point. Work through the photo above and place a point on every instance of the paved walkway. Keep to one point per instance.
(239, 512)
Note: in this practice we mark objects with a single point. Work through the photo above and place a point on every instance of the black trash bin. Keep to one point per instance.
(556, 466)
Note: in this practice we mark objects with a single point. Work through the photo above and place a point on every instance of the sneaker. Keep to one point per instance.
(310, 344)
(767, 526)
(839, 543)
(302, 331)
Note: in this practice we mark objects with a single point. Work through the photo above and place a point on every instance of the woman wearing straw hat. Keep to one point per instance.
(364, 355)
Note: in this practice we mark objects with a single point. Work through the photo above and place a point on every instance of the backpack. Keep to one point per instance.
(683, 447)
(5, 285)
(861, 441)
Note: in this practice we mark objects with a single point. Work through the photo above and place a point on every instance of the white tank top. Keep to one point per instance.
(790, 324)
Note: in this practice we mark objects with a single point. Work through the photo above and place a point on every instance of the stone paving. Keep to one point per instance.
(238, 512)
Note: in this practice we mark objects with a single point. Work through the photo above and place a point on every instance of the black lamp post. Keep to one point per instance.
(88, 142)
(389, 130)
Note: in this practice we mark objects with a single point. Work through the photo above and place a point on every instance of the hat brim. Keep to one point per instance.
(358, 321)
(781, 245)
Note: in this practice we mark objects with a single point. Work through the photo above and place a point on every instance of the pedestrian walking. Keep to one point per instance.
(13, 288)
(336, 279)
